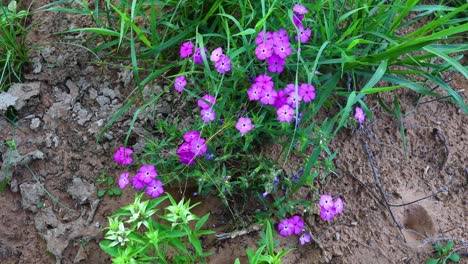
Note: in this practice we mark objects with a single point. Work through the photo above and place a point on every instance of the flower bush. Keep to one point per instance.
(261, 74)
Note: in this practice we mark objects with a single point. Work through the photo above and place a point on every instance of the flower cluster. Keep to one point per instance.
(206, 106)
(193, 147)
(298, 16)
(285, 101)
(274, 48)
(122, 156)
(146, 176)
(294, 226)
(222, 62)
(329, 207)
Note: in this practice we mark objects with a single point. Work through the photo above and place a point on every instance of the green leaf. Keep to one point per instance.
(117, 191)
(248, 31)
(432, 261)
(101, 193)
(201, 222)
(454, 257)
(110, 192)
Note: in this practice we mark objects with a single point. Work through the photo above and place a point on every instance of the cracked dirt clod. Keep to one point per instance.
(6, 100)
(59, 235)
(82, 191)
(31, 194)
(24, 92)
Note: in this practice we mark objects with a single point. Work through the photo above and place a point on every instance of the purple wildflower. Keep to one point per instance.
(123, 180)
(327, 214)
(276, 63)
(285, 228)
(305, 238)
(208, 115)
(191, 135)
(280, 36)
(359, 115)
(198, 147)
(300, 9)
(326, 201)
(269, 96)
(297, 20)
(147, 173)
(209, 98)
(244, 125)
(263, 38)
(255, 92)
(197, 56)
(216, 54)
(294, 99)
(304, 35)
(338, 205)
(285, 113)
(307, 92)
(297, 224)
(264, 81)
(137, 183)
(264, 51)
(282, 49)
(180, 83)
(223, 64)
(154, 189)
(122, 156)
(186, 49)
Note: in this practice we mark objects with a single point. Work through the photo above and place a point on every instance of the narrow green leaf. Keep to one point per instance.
(454, 257)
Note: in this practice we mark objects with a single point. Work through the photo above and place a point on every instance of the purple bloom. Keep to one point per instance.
(338, 205)
(304, 35)
(294, 99)
(244, 125)
(281, 99)
(154, 189)
(255, 92)
(147, 173)
(265, 194)
(264, 81)
(297, 20)
(208, 115)
(137, 183)
(223, 64)
(180, 83)
(216, 54)
(300, 9)
(307, 92)
(276, 63)
(264, 51)
(122, 156)
(326, 201)
(304, 239)
(282, 49)
(123, 180)
(327, 214)
(197, 56)
(285, 113)
(280, 36)
(191, 135)
(198, 147)
(269, 96)
(209, 98)
(297, 224)
(285, 228)
(289, 88)
(359, 115)
(186, 49)
(209, 156)
(186, 157)
(262, 38)
(276, 181)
